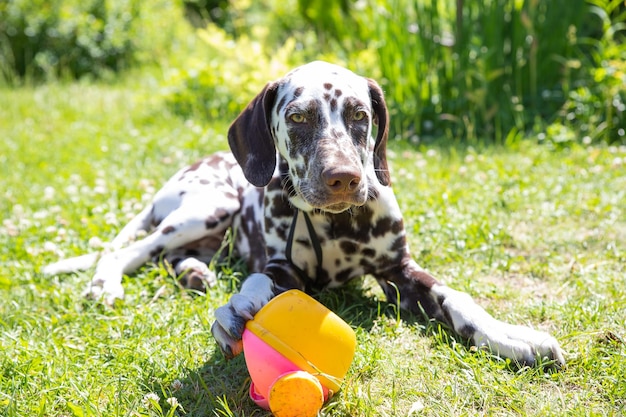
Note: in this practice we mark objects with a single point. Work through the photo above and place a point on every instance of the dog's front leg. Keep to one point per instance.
(257, 290)
(230, 319)
(418, 291)
(522, 344)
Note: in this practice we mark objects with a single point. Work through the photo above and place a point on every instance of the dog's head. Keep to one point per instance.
(320, 118)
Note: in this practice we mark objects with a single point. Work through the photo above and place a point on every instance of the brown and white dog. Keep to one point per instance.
(307, 190)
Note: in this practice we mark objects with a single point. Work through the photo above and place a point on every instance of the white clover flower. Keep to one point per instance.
(100, 186)
(95, 242)
(173, 402)
(10, 228)
(48, 193)
(110, 218)
(177, 384)
(149, 398)
(50, 247)
(72, 189)
(40, 214)
(18, 209)
(100, 189)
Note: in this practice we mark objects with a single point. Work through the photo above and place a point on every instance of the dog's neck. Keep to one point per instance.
(315, 242)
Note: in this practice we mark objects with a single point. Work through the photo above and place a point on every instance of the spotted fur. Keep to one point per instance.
(311, 143)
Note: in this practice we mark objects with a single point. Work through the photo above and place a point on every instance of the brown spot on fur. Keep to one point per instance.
(382, 227)
(220, 216)
(280, 208)
(212, 161)
(348, 247)
(168, 230)
(304, 242)
(343, 225)
(191, 168)
(368, 266)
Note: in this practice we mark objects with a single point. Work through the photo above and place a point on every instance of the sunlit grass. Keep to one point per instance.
(535, 234)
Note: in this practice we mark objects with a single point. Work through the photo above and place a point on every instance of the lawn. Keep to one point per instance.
(536, 233)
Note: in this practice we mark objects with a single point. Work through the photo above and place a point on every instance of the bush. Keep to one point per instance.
(260, 42)
(220, 81)
(596, 106)
(43, 39)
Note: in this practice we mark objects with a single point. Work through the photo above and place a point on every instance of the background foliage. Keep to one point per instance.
(468, 70)
(49, 38)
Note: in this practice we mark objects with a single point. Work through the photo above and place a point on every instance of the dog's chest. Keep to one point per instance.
(352, 245)
(334, 248)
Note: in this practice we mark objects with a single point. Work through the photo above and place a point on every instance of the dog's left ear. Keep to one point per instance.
(251, 140)
(381, 115)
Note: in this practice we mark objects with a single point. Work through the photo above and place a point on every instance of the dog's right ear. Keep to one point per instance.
(251, 140)
(381, 116)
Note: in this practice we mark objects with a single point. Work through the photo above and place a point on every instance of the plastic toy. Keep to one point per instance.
(297, 352)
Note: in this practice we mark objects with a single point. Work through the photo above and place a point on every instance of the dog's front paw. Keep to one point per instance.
(228, 334)
(230, 319)
(521, 344)
(230, 322)
(104, 289)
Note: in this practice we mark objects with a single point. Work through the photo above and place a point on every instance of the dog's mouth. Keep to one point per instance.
(337, 207)
(335, 203)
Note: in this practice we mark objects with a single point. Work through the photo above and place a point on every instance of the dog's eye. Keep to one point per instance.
(358, 116)
(297, 118)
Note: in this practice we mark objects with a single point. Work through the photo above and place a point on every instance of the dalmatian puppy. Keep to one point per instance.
(308, 192)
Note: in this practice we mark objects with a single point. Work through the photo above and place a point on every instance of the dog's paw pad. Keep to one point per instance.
(198, 280)
(195, 275)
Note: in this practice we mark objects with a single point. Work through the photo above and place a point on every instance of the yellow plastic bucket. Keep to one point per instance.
(307, 334)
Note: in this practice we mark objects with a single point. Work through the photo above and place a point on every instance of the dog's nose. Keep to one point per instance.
(341, 179)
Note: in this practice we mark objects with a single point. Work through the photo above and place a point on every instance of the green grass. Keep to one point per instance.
(535, 234)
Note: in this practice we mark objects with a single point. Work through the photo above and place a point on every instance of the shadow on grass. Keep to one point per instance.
(220, 386)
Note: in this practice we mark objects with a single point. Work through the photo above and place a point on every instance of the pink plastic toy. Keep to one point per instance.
(297, 353)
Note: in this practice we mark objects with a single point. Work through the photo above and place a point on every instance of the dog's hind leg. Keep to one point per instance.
(69, 265)
(189, 223)
(141, 222)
